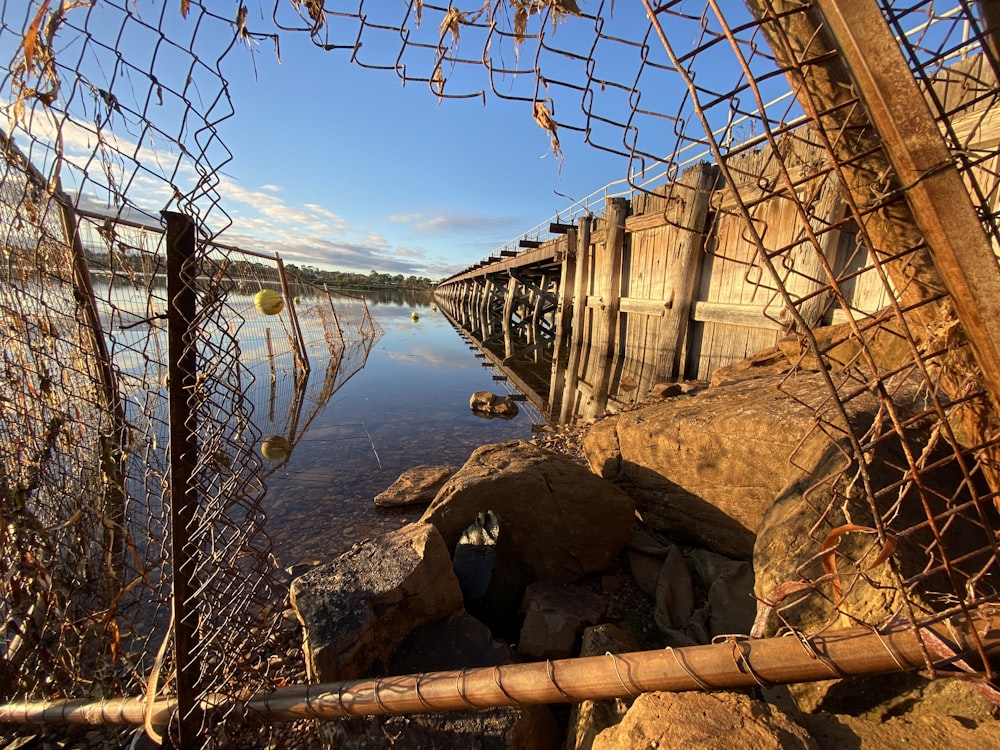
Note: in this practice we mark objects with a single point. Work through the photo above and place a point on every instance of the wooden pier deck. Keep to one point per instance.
(665, 286)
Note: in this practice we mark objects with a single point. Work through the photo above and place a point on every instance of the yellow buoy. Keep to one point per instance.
(268, 302)
(415, 316)
(275, 448)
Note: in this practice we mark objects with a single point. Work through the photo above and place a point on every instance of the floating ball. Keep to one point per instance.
(275, 448)
(268, 301)
(415, 316)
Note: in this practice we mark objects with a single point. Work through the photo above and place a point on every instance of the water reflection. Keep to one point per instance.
(564, 383)
(408, 406)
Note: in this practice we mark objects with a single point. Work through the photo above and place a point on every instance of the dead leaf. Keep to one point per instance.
(31, 37)
(829, 559)
(544, 119)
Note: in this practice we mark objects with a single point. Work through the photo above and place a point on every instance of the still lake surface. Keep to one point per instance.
(408, 406)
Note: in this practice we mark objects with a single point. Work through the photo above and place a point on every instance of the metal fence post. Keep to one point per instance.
(301, 356)
(182, 371)
(959, 248)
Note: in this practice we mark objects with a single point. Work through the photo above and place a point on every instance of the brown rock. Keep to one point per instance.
(506, 728)
(703, 721)
(484, 403)
(554, 618)
(454, 643)
(356, 610)
(706, 468)
(672, 390)
(645, 556)
(459, 641)
(589, 718)
(416, 486)
(769, 361)
(600, 445)
(825, 506)
(645, 570)
(842, 350)
(835, 732)
(881, 697)
(564, 521)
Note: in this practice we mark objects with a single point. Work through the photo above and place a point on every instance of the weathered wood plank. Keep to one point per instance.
(682, 260)
(724, 313)
(605, 331)
(580, 290)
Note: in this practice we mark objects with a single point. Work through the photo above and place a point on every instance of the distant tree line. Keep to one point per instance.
(99, 259)
(371, 280)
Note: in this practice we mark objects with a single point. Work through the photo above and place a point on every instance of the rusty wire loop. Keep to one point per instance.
(498, 680)
(550, 671)
(460, 679)
(702, 685)
(742, 660)
(629, 687)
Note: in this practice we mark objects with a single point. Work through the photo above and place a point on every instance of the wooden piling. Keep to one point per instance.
(580, 283)
(508, 311)
(563, 321)
(683, 267)
(607, 287)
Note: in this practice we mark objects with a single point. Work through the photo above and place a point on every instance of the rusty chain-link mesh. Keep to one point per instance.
(113, 98)
(87, 562)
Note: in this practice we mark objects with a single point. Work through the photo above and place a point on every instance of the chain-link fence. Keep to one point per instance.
(901, 463)
(90, 534)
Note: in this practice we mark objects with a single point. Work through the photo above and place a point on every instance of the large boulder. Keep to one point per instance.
(835, 732)
(705, 469)
(356, 610)
(564, 521)
(829, 551)
(704, 721)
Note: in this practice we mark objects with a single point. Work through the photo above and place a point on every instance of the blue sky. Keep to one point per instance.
(343, 167)
(404, 183)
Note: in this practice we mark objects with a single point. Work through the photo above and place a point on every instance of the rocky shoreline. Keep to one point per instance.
(661, 527)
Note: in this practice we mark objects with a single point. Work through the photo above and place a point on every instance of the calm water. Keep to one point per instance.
(408, 406)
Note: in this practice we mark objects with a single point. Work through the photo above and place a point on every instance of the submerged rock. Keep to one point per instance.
(486, 404)
(416, 486)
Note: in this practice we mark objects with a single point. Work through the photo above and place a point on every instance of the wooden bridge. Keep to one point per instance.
(665, 286)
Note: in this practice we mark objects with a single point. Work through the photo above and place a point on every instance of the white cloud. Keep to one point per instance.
(410, 252)
(255, 219)
(404, 218)
(464, 223)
